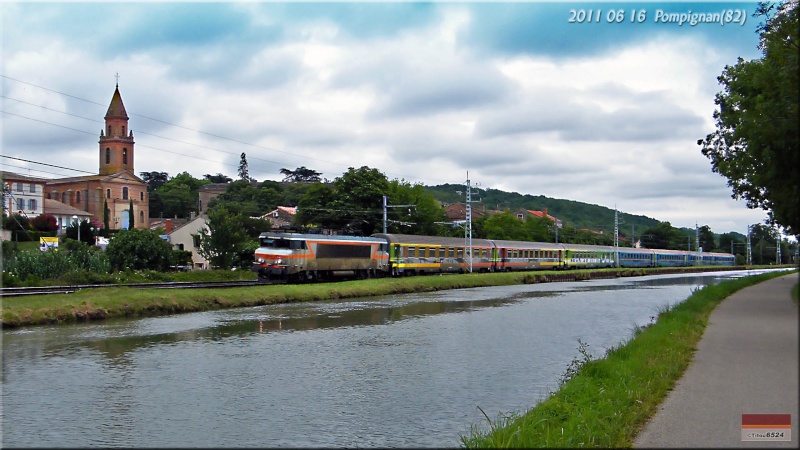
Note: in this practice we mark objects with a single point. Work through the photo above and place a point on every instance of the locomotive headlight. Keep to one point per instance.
(278, 260)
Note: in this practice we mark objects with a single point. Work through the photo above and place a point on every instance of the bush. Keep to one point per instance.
(137, 249)
(45, 222)
(30, 267)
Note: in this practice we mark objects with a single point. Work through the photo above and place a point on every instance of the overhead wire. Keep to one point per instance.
(166, 138)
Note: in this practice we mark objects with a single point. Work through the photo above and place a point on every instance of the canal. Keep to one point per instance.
(402, 371)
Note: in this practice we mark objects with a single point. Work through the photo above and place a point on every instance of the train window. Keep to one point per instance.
(460, 253)
(450, 252)
(441, 252)
(412, 252)
(297, 245)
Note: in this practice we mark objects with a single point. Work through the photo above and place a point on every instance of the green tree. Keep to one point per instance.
(756, 141)
(154, 180)
(503, 226)
(707, 241)
(178, 197)
(300, 175)
(224, 240)
(138, 249)
(218, 178)
(131, 216)
(421, 218)
(244, 171)
(248, 199)
(731, 243)
(354, 203)
(17, 222)
(106, 218)
(663, 236)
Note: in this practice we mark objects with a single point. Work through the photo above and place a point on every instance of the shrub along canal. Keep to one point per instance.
(405, 370)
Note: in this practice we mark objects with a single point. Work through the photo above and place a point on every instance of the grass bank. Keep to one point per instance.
(606, 401)
(117, 301)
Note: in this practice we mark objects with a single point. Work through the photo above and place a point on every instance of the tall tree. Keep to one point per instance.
(131, 216)
(244, 172)
(106, 218)
(757, 135)
(707, 241)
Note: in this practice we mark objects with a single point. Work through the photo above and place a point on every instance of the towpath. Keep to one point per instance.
(746, 363)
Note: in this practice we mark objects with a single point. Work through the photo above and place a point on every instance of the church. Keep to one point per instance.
(116, 185)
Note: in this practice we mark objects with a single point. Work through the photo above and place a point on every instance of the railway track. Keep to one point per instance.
(44, 290)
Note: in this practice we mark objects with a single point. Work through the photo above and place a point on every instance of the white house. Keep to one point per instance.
(181, 239)
(24, 195)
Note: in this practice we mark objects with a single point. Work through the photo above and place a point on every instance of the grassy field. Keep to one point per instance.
(604, 402)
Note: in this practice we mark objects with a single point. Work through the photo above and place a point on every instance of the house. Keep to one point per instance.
(281, 217)
(523, 215)
(457, 212)
(23, 194)
(208, 192)
(64, 214)
(181, 239)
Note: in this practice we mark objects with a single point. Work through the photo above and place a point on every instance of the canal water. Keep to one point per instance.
(411, 370)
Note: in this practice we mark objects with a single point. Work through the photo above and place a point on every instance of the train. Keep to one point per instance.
(298, 257)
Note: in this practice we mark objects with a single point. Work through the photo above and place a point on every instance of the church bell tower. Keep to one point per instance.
(116, 140)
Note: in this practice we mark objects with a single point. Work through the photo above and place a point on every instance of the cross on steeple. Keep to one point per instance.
(117, 77)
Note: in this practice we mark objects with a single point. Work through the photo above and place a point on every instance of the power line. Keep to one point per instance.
(45, 164)
(173, 125)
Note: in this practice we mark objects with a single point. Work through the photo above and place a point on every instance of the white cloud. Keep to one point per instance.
(614, 127)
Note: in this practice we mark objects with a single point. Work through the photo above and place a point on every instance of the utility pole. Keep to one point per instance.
(697, 238)
(749, 248)
(392, 206)
(468, 227)
(616, 235)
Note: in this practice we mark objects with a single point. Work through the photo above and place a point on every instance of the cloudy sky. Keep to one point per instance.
(556, 99)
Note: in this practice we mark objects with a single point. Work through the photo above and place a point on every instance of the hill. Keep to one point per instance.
(572, 213)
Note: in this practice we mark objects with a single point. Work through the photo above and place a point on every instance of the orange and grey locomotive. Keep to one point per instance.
(295, 257)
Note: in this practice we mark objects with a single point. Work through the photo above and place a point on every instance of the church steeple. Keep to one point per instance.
(116, 141)
(116, 109)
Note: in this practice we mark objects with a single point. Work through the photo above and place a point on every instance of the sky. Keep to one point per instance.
(601, 103)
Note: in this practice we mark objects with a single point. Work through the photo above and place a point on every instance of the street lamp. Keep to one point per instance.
(75, 219)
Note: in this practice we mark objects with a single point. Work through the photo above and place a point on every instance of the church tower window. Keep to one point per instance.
(123, 131)
(108, 155)
(124, 156)
(109, 131)
(124, 193)
(78, 197)
(108, 193)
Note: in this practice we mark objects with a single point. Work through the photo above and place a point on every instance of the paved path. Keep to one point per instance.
(746, 363)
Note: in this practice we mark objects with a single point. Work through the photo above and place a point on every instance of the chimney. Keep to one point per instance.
(168, 226)
(545, 212)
